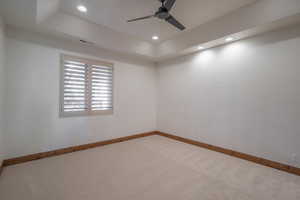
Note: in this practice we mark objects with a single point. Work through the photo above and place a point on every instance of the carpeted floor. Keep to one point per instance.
(150, 168)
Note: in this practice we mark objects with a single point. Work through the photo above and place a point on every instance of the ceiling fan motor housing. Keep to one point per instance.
(162, 13)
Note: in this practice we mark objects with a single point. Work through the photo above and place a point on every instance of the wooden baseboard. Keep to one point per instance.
(57, 152)
(1, 168)
(262, 161)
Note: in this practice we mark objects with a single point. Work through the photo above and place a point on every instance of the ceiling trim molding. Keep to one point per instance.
(71, 45)
(45, 16)
(249, 17)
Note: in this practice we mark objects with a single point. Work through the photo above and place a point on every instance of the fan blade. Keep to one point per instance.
(174, 22)
(169, 4)
(140, 18)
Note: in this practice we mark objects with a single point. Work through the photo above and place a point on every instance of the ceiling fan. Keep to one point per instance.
(163, 14)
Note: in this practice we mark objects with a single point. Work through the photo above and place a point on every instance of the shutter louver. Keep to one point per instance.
(74, 86)
(101, 88)
(87, 88)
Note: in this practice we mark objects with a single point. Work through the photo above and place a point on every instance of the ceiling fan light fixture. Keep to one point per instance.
(82, 8)
(155, 37)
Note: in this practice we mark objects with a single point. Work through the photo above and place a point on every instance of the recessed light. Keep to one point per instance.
(155, 37)
(200, 47)
(82, 8)
(229, 39)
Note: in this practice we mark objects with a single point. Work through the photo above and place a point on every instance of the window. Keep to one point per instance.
(86, 87)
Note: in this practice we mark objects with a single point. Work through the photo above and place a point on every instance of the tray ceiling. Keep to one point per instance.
(104, 26)
(114, 13)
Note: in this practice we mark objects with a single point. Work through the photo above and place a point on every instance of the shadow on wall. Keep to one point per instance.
(260, 40)
(75, 46)
(276, 36)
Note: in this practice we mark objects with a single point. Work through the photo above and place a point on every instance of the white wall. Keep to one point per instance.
(2, 54)
(32, 98)
(243, 96)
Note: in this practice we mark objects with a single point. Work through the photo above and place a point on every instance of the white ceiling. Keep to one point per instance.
(208, 23)
(114, 13)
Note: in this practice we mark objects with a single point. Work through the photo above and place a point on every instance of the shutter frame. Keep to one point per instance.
(108, 84)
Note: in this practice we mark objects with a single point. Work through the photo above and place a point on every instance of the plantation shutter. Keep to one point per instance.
(87, 87)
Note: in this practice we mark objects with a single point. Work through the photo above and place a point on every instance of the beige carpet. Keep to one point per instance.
(151, 168)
